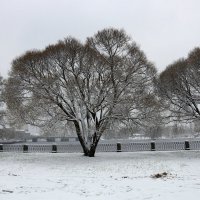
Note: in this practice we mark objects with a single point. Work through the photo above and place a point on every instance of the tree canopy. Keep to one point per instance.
(180, 87)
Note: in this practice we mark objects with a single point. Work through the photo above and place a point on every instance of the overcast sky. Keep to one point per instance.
(164, 29)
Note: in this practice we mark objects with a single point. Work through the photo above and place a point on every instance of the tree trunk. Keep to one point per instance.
(88, 151)
(81, 139)
(92, 150)
(93, 146)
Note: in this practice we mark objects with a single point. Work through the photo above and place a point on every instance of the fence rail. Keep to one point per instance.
(105, 147)
(168, 146)
(130, 147)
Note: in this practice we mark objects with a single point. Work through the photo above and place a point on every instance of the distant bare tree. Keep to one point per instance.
(179, 86)
(108, 78)
(2, 107)
(55, 127)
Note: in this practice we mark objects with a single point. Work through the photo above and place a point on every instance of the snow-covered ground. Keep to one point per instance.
(108, 176)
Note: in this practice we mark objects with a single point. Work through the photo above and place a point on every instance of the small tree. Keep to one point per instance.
(89, 85)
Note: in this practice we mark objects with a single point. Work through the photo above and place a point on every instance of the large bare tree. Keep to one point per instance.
(180, 87)
(107, 78)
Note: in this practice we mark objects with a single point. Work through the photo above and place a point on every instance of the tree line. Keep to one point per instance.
(107, 81)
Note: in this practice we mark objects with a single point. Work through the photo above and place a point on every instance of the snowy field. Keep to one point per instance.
(108, 176)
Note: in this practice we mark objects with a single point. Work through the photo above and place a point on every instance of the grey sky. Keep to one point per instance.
(165, 29)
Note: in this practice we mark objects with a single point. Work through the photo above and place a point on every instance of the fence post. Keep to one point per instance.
(54, 148)
(187, 145)
(153, 146)
(1, 147)
(25, 148)
(119, 147)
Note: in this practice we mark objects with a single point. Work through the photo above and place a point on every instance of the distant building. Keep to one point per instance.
(11, 133)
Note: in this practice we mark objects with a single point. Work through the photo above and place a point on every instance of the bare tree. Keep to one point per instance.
(179, 86)
(89, 85)
(2, 106)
